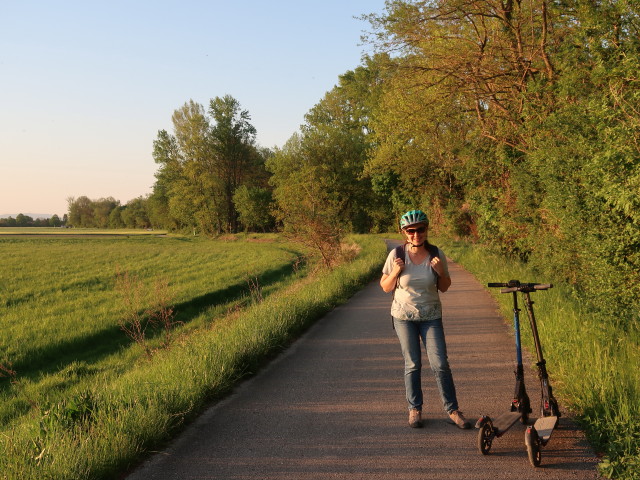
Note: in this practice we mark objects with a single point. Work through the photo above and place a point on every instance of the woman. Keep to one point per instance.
(417, 314)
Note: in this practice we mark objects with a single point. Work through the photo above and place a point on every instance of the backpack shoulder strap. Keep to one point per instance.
(401, 252)
(434, 252)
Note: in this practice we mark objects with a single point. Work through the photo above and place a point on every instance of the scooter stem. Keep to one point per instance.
(516, 328)
(534, 328)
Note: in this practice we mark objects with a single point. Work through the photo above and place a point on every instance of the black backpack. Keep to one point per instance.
(401, 252)
(434, 252)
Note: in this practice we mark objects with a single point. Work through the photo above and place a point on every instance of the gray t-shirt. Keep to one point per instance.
(416, 297)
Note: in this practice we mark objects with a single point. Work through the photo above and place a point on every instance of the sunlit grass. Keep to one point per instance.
(91, 417)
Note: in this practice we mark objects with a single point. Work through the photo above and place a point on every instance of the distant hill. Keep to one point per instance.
(35, 216)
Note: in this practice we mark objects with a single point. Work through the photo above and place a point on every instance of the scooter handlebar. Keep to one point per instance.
(516, 286)
(527, 287)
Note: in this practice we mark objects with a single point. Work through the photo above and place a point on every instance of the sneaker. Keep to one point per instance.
(457, 418)
(415, 418)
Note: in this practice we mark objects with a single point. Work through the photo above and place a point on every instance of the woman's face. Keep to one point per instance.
(416, 234)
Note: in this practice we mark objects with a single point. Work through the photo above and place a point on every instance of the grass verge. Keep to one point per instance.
(593, 363)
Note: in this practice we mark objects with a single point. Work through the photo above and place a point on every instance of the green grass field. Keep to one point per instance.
(59, 303)
(81, 399)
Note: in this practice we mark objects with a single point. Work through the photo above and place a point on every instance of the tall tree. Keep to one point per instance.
(102, 209)
(203, 163)
(81, 212)
(234, 152)
(320, 187)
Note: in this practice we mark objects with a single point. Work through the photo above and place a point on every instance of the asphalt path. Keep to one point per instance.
(333, 406)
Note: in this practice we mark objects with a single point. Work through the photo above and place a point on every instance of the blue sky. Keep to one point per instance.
(85, 86)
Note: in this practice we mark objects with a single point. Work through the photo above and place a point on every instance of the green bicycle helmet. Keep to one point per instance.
(412, 217)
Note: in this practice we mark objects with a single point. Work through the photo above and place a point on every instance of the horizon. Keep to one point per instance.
(40, 216)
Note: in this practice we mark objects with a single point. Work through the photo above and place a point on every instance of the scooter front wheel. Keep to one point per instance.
(485, 437)
(533, 443)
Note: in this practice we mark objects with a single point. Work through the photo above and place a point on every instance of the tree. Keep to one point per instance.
(81, 212)
(203, 164)
(166, 153)
(55, 221)
(23, 220)
(135, 214)
(102, 209)
(254, 205)
(233, 144)
(318, 176)
(195, 195)
(519, 121)
(484, 54)
(115, 218)
(307, 206)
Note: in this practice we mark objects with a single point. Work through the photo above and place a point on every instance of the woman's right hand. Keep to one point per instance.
(388, 282)
(398, 267)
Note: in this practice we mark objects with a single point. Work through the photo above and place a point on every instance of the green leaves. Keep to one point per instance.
(210, 155)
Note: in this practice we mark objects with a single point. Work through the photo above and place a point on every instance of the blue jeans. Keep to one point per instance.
(431, 332)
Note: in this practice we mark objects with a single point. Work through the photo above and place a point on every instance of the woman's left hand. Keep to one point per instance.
(436, 264)
(443, 282)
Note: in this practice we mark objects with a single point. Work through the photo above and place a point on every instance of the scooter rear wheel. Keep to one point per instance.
(485, 437)
(533, 443)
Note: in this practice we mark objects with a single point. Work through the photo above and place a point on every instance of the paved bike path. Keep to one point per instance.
(332, 406)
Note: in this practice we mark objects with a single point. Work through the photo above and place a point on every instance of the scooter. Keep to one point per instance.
(537, 435)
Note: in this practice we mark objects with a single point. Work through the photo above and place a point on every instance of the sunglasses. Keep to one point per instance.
(411, 231)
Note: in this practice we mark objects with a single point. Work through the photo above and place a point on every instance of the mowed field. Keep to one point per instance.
(60, 304)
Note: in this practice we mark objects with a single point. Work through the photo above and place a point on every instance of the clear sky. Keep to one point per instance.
(86, 85)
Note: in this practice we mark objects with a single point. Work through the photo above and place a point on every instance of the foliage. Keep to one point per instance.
(210, 156)
(254, 205)
(318, 181)
(308, 210)
(516, 125)
(107, 213)
(21, 221)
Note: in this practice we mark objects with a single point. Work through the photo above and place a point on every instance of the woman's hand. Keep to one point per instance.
(398, 267)
(388, 282)
(436, 264)
(444, 282)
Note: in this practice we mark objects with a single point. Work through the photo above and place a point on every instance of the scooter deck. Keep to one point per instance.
(544, 426)
(503, 422)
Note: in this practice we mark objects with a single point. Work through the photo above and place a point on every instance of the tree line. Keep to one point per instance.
(22, 220)
(109, 213)
(514, 124)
